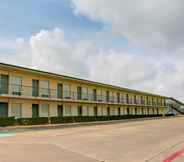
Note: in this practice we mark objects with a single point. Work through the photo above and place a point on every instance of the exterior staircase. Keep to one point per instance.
(174, 106)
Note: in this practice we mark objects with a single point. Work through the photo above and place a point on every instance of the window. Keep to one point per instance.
(16, 85)
(84, 93)
(113, 110)
(45, 110)
(66, 91)
(17, 110)
(111, 97)
(100, 96)
(68, 110)
(44, 88)
(122, 98)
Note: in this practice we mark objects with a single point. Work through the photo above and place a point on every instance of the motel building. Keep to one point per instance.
(27, 93)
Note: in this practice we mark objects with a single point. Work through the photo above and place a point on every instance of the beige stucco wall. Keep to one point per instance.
(88, 109)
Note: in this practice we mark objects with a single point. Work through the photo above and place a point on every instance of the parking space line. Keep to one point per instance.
(174, 156)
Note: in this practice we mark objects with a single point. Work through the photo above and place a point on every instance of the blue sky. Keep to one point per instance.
(22, 18)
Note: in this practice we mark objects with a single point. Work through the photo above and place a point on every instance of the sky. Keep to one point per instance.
(137, 44)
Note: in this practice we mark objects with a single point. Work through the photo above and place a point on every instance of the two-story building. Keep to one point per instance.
(29, 93)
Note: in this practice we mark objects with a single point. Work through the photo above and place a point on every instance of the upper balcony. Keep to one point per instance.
(28, 92)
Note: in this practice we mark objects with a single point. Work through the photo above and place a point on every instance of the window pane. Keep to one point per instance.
(66, 90)
(44, 88)
(45, 110)
(16, 84)
(68, 111)
(16, 110)
(84, 93)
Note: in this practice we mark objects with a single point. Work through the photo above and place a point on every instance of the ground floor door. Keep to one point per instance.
(60, 110)
(35, 110)
(3, 109)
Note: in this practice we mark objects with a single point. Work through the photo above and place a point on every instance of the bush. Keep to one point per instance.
(7, 121)
(73, 119)
(32, 121)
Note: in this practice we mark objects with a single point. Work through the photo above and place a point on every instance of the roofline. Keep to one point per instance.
(78, 79)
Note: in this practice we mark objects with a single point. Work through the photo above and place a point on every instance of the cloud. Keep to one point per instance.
(151, 24)
(51, 50)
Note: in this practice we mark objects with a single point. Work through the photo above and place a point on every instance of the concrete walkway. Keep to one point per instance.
(138, 141)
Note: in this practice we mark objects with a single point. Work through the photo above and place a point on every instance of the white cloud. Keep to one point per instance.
(155, 24)
(51, 50)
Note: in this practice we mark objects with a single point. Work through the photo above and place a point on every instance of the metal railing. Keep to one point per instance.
(38, 92)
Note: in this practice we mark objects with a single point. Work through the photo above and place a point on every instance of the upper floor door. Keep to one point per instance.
(118, 97)
(94, 95)
(107, 96)
(35, 88)
(60, 90)
(4, 84)
(79, 93)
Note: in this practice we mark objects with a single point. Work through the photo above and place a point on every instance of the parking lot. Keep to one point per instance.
(140, 141)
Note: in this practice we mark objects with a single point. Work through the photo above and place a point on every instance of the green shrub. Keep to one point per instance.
(7, 121)
(73, 119)
(32, 121)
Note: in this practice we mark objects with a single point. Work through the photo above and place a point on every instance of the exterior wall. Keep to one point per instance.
(87, 107)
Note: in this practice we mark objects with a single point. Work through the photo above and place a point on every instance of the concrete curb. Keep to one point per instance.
(70, 125)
